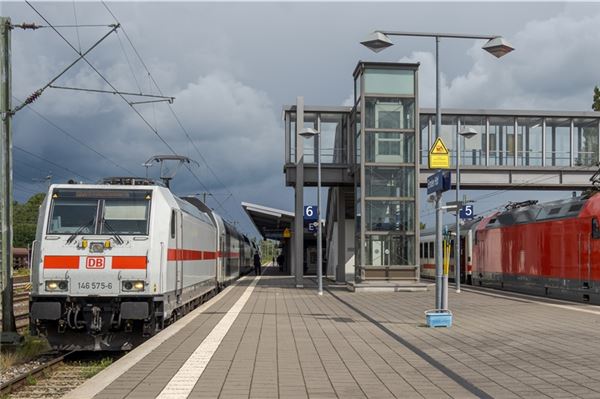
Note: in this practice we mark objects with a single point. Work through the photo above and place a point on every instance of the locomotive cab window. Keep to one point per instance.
(70, 216)
(125, 217)
(99, 211)
(595, 228)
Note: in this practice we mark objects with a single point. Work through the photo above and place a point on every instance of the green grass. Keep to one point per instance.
(93, 368)
(30, 380)
(30, 348)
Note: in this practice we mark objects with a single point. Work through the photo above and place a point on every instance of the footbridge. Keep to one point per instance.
(535, 150)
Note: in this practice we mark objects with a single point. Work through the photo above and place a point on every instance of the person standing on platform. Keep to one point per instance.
(257, 265)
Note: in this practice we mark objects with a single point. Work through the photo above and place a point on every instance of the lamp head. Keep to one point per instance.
(468, 133)
(377, 41)
(498, 47)
(308, 132)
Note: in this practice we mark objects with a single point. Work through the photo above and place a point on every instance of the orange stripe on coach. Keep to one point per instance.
(129, 262)
(61, 262)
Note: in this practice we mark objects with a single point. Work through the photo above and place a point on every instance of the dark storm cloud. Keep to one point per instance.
(232, 66)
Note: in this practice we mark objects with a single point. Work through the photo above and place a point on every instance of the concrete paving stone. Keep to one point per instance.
(288, 343)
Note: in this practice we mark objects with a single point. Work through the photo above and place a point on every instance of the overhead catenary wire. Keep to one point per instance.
(220, 205)
(35, 26)
(74, 138)
(104, 78)
(76, 28)
(129, 63)
(154, 130)
(39, 92)
(52, 163)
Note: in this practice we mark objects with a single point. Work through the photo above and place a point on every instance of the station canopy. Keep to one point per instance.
(270, 222)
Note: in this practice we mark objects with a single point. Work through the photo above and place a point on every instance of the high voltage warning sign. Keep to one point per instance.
(439, 156)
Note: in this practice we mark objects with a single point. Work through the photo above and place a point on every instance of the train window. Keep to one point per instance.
(431, 250)
(575, 208)
(125, 216)
(595, 228)
(173, 216)
(554, 211)
(421, 250)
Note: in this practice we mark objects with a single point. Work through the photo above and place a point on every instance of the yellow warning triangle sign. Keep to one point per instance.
(438, 147)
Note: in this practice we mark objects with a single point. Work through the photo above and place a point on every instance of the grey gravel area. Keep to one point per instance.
(19, 369)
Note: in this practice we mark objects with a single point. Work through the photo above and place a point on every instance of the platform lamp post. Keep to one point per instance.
(467, 134)
(497, 46)
(308, 133)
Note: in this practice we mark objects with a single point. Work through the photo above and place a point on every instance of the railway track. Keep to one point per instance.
(57, 376)
(31, 375)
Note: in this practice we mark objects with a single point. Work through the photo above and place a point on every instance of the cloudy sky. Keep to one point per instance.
(232, 66)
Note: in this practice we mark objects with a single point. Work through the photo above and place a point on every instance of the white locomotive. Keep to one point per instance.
(114, 263)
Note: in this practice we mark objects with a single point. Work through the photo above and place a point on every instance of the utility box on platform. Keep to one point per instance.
(438, 318)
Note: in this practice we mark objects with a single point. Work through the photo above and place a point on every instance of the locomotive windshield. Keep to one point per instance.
(94, 212)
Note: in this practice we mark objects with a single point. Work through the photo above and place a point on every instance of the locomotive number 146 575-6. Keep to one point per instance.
(94, 285)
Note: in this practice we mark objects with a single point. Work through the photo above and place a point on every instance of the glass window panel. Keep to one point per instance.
(332, 137)
(385, 147)
(529, 133)
(389, 250)
(389, 81)
(292, 138)
(389, 182)
(424, 143)
(389, 113)
(472, 150)
(125, 217)
(558, 135)
(355, 122)
(356, 89)
(70, 216)
(502, 141)
(585, 142)
(389, 215)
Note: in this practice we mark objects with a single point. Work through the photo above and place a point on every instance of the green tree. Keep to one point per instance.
(25, 220)
(596, 103)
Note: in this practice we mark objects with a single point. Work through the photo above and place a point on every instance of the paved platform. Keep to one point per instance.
(285, 342)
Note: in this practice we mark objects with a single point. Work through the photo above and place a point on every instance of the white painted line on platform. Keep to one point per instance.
(96, 384)
(183, 382)
(555, 305)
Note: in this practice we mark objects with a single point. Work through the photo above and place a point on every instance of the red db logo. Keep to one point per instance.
(95, 262)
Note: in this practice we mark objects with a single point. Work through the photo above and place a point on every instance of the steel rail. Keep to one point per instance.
(21, 380)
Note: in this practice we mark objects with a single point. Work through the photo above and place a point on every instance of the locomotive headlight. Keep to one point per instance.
(133, 286)
(97, 247)
(57, 285)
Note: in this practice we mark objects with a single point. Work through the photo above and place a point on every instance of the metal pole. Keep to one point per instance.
(298, 238)
(445, 280)
(9, 330)
(458, 206)
(319, 232)
(438, 251)
(438, 206)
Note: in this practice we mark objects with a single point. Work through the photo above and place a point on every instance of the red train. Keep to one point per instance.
(550, 249)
